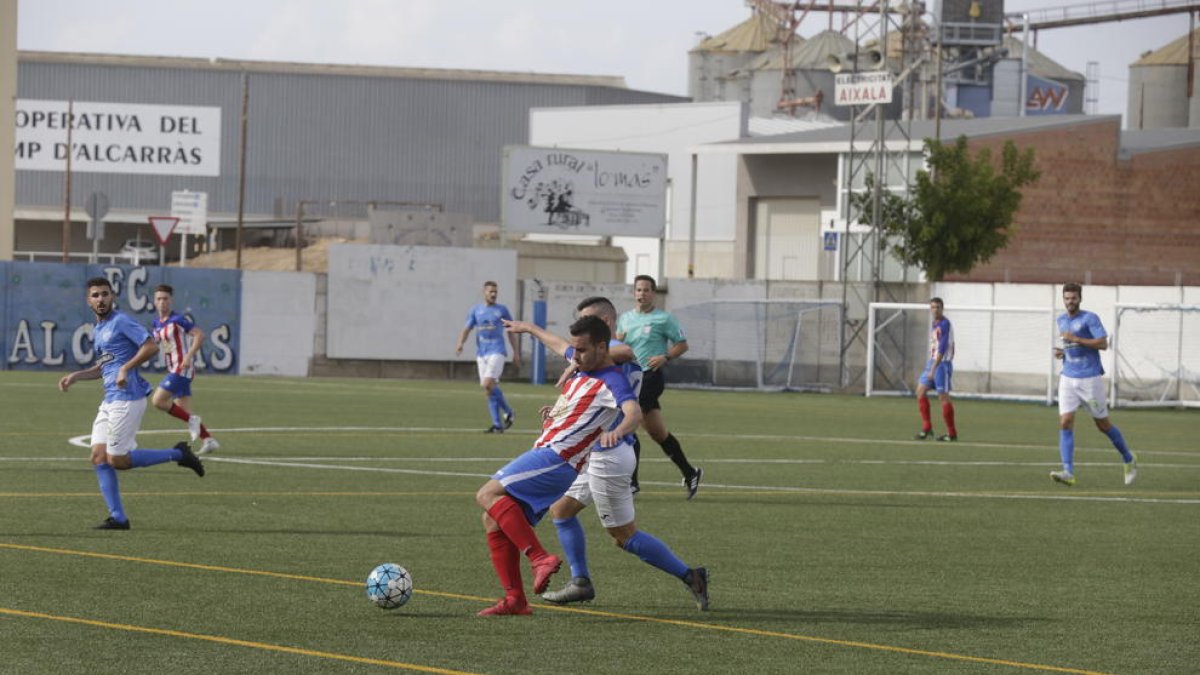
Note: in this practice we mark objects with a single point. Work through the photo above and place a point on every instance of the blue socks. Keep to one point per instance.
(141, 458)
(111, 491)
(497, 405)
(1066, 449)
(500, 402)
(653, 552)
(494, 410)
(1118, 441)
(574, 543)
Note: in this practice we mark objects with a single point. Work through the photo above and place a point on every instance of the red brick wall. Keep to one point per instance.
(1097, 219)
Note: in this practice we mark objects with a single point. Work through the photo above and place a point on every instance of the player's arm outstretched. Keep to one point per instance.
(553, 342)
(89, 373)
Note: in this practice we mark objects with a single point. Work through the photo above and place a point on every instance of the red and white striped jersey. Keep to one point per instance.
(590, 404)
(174, 341)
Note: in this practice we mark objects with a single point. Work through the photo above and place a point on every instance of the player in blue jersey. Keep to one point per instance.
(490, 352)
(656, 338)
(938, 374)
(1082, 384)
(607, 482)
(517, 496)
(121, 345)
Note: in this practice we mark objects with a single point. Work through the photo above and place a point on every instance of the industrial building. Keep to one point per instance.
(1160, 95)
(348, 135)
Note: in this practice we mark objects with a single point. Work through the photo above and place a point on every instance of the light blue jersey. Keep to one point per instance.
(489, 332)
(117, 339)
(1080, 361)
(649, 333)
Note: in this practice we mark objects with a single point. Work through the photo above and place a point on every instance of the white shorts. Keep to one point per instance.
(491, 366)
(1082, 391)
(606, 481)
(117, 424)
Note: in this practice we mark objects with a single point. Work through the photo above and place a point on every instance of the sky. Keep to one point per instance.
(644, 41)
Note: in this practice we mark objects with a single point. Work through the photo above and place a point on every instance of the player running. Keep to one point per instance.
(179, 340)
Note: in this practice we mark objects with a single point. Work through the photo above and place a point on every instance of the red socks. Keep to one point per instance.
(926, 423)
(180, 413)
(507, 561)
(948, 415)
(511, 518)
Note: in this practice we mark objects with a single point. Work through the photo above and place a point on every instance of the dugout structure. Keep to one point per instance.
(772, 345)
(1156, 356)
(1003, 353)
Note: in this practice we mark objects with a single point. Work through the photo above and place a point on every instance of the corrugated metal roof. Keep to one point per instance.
(755, 34)
(1040, 64)
(775, 126)
(1174, 54)
(284, 67)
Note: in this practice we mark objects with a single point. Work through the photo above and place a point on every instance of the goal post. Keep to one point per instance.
(767, 344)
(1002, 353)
(1156, 356)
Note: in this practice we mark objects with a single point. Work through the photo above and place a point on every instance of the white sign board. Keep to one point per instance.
(163, 226)
(553, 190)
(862, 88)
(191, 208)
(118, 138)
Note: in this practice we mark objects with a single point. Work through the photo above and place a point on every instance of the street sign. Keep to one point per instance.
(191, 208)
(831, 241)
(163, 226)
(97, 205)
(862, 88)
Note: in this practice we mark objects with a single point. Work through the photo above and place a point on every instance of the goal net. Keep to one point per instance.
(761, 344)
(1156, 355)
(1000, 352)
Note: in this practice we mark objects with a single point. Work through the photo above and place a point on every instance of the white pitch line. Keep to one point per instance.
(758, 488)
(83, 441)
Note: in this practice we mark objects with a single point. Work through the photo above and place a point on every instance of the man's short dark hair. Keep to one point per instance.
(601, 303)
(99, 281)
(490, 283)
(164, 288)
(646, 277)
(1072, 287)
(939, 302)
(593, 327)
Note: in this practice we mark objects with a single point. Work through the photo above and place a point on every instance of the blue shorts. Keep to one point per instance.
(942, 376)
(536, 479)
(178, 385)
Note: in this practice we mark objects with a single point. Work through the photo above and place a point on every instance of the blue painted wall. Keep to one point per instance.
(48, 325)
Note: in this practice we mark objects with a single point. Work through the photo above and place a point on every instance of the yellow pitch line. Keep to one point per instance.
(590, 612)
(231, 641)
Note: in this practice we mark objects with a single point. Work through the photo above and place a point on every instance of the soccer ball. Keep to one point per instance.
(389, 586)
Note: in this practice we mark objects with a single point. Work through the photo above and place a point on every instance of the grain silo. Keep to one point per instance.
(810, 61)
(1158, 88)
(713, 61)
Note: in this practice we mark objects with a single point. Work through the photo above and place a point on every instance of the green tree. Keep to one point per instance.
(959, 212)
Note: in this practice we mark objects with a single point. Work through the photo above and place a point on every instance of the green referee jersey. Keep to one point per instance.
(649, 333)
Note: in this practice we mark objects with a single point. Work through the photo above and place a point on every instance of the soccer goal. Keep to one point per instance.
(761, 344)
(1156, 356)
(1000, 352)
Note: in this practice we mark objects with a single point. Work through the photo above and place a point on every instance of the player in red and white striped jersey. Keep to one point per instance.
(516, 497)
(179, 341)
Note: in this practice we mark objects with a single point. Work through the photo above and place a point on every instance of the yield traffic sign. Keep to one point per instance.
(163, 226)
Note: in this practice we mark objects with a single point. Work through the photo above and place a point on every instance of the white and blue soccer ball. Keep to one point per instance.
(389, 586)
